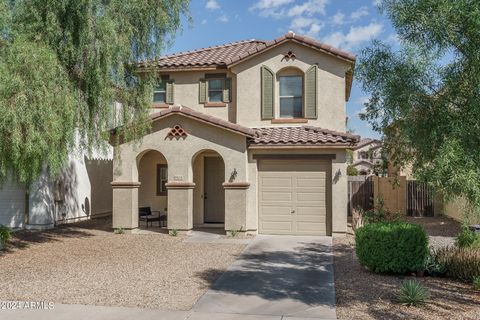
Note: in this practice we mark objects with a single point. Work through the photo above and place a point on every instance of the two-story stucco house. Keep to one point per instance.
(367, 154)
(248, 136)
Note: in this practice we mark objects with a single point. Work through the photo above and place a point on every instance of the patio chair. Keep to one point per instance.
(146, 214)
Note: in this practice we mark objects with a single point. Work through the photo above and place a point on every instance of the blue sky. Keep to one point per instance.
(347, 24)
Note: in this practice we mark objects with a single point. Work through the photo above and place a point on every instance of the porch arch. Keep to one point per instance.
(208, 172)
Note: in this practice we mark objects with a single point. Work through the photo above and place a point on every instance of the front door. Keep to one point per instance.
(214, 193)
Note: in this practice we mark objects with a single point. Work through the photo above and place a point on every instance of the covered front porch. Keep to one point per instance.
(187, 168)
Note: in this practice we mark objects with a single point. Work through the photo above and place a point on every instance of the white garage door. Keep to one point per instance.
(12, 204)
(293, 197)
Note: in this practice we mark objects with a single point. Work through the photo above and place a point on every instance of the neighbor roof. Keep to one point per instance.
(301, 136)
(227, 55)
(364, 142)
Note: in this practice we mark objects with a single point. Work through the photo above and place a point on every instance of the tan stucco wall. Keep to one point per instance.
(186, 93)
(331, 85)
(338, 186)
(147, 174)
(100, 173)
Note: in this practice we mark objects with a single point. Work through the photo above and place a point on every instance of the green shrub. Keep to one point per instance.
(5, 235)
(461, 263)
(476, 283)
(412, 293)
(392, 247)
(173, 232)
(118, 231)
(352, 171)
(433, 267)
(468, 238)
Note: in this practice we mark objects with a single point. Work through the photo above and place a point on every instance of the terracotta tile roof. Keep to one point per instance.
(189, 113)
(231, 53)
(301, 136)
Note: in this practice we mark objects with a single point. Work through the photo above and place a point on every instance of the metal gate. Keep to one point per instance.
(419, 199)
(360, 193)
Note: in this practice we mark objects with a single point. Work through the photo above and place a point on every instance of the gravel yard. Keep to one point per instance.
(85, 263)
(365, 295)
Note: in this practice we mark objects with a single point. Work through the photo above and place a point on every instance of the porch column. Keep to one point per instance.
(180, 205)
(125, 204)
(236, 206)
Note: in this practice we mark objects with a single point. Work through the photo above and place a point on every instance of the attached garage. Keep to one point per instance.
(294, 197)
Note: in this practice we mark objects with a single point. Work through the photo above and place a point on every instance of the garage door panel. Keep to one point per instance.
(276, 196)
(277, 227)
(275, 210)
(303, 182)
(298, 186)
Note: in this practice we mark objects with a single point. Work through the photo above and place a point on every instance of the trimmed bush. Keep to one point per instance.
(461, 263)
(392, 247)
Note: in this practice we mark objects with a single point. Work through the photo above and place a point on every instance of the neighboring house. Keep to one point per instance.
(367, 155)
(82, 190)
(247, 136)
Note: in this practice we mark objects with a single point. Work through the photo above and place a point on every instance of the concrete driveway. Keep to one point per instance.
(289, 276)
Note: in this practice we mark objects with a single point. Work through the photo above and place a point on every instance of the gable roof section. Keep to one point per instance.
(227, 55)
(192, 114)
(301, 136)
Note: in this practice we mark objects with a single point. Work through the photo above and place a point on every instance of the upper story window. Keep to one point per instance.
(215, 89)
(291, 96)
(160, 90)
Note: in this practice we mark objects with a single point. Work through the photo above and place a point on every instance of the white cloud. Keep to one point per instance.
(204, 21)
(212, 5)
(308, 8)
(338, 18)
(359, 13)
(270, 4)
(223, 18)
(393, 39)
(355, 36)
(308, 26)
(377, 3)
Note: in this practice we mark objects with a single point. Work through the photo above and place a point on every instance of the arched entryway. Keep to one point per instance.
(152, 193)
(209, 193)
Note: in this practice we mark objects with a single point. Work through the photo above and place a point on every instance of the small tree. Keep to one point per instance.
(424, 97)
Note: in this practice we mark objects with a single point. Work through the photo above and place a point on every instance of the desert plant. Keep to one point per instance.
(357, 218)
(467, 238)
(173, 232)
(413, 293)
(476, 283)
(5, 235)
(433, 267)
(234, 232)
(461, 263)
(119, 231)
(392, 247)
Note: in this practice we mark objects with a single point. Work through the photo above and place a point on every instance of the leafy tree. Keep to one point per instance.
(351, 170)
(425, 96)
(62, 65)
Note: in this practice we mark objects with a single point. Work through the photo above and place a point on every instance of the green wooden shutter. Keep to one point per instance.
(203, 91)
(227, 88)
(268, 93)
(169, 92)
(310, 99)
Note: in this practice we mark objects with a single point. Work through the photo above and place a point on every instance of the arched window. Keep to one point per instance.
(290, 93)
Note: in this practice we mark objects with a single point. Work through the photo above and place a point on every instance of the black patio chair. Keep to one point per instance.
(146, 214)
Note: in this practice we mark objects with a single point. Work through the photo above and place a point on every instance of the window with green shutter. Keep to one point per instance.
(268, 92)
(311, 84)
(215, 88)
(163, 90)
